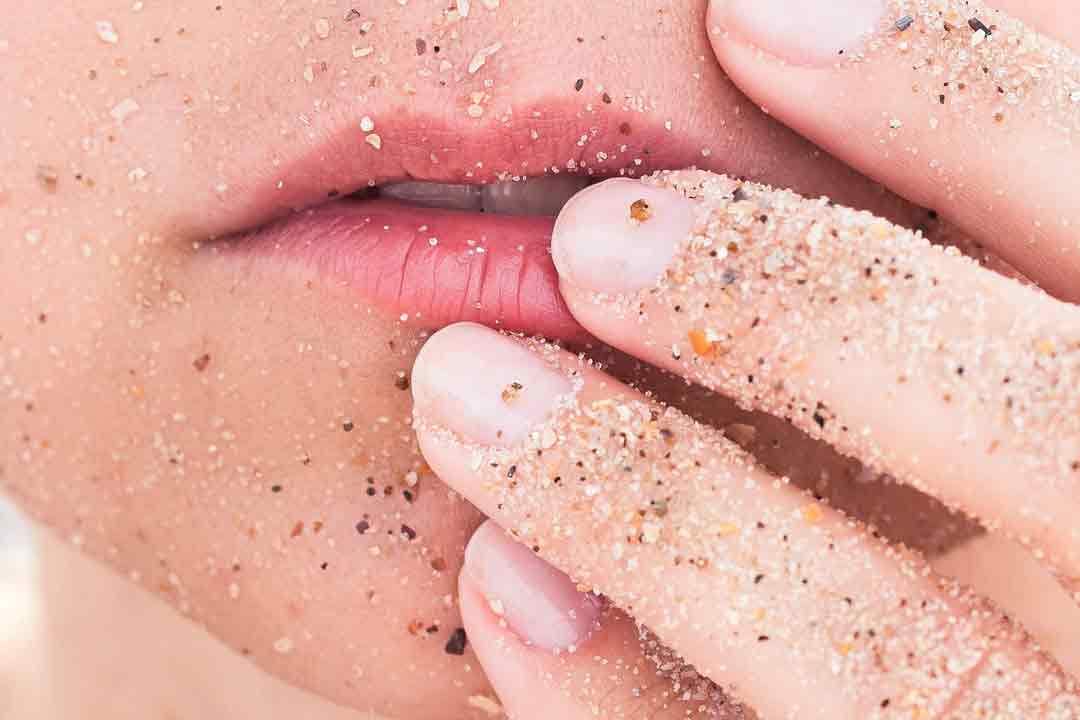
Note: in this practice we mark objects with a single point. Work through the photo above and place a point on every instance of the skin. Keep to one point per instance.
(1004, 458)
(951, 155)
(182, 416)
(156, 394)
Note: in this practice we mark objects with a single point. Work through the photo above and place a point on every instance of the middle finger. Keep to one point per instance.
(911, 358)
(734, 569)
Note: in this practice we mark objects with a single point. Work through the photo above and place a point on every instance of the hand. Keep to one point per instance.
(911, 358)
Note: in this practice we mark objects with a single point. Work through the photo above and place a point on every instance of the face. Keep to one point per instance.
(210, 315)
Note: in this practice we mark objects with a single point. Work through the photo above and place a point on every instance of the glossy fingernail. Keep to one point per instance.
(539, 604)
(620, 235)
(484, 385)
(820, 32)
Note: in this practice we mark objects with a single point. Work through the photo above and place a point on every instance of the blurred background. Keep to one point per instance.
(19, 621)
(78, 641)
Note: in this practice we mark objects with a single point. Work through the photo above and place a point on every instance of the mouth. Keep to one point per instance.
(434, 253)
(438, 225)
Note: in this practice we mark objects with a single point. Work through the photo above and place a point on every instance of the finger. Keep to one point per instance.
(1055, 18)
(1018, 585)
(552, 651)
(958, 108)
(730, 567)
(908, 357)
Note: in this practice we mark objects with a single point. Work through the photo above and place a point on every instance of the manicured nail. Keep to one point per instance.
(799, 32)
(539, 604)
(488, 387)
(620, 235)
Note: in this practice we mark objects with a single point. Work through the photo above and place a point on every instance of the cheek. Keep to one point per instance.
(242, 449)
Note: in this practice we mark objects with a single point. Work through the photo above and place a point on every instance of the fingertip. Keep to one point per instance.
(618, 236)
(434, 346)
(514, 669)
(539, 604)
(575, 220)
(484, 385)
(442, 345)
(717, 27)
(474, 617)
(819, 34)
(714, 16)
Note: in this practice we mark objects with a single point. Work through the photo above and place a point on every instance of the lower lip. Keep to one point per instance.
(433, 266)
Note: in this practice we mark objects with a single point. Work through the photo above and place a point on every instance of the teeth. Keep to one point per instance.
(454, 197)
(544, 195)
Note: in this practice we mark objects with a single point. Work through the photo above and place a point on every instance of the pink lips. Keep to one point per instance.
(440, 266)
(437, 266)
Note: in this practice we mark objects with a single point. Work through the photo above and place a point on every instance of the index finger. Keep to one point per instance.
(949, 103)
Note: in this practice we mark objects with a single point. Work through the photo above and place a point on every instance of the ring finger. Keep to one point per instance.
(731, 567)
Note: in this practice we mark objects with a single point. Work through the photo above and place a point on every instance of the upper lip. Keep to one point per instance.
(515, 285)
(554, 137)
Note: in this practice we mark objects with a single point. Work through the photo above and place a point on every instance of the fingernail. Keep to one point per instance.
(799, 32)
(488, 387)
(620, 235)
(539, 604)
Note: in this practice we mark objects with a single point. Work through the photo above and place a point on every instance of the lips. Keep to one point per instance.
(430, 265)
(312, 204)
(439, 224)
